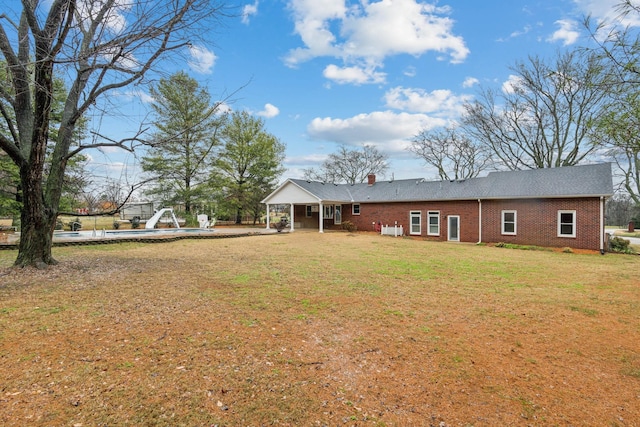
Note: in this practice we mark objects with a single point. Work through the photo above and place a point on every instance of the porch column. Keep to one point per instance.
(479, 221)
(268, 216)
(291, 215)
(321, 215)
(602, 225)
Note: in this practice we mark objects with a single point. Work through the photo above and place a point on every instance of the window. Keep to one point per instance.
(509, 222)
(566, 223)
(309, 210)
(328, 212)
(415, 219)
(434, 223)
(355, 209)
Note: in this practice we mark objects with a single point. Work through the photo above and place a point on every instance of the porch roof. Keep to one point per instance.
(571, 181)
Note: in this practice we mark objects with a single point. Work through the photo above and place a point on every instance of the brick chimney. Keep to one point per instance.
(371, 179)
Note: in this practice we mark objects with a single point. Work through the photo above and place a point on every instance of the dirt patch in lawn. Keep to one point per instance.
(333, 329)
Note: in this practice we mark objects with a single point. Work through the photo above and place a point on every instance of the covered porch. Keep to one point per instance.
(306, 210)
(319, 215)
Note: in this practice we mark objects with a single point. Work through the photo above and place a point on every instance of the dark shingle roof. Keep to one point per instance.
(571, 181)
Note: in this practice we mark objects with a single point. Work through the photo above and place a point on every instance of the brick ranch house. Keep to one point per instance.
(556, 207)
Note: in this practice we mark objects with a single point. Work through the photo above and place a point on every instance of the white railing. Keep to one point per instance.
(392, 230)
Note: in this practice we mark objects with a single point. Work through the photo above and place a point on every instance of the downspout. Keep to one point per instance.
(602, 225)
(479, 221)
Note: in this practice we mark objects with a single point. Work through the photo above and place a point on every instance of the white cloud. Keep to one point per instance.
(248, 11)
(372, 31)
(142, 96)
(441, 102)
(470, 82)
(512, 83)
(355, 75)
(113, 20)
(387, 130)
(410, 71)
(202, 60)
(567, 33)
(269, 111)
(604, 10)
(525, 30)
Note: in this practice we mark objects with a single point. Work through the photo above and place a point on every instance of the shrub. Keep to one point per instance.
(116, 225)
(618, 244)
(349, 226)
(135, 222)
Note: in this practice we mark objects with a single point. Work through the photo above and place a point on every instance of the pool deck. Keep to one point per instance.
(142, 236)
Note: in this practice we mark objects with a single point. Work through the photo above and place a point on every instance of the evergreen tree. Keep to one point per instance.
(182, 152)
(249, 165)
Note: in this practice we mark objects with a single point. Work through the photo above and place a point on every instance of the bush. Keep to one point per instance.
(116, 225)
(349, 226)
(618, 244)
(135, 222)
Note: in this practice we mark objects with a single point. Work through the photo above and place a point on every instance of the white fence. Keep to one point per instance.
(392, 230)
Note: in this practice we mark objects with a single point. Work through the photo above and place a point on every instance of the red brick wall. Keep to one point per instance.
(390, 212)
(537, 220)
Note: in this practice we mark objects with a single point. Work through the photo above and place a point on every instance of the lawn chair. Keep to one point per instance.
(203, 221)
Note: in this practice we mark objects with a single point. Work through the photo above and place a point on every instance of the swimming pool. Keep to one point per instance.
(115, 234)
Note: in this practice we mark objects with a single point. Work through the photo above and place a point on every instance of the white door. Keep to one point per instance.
(454, 228)
(337, 216)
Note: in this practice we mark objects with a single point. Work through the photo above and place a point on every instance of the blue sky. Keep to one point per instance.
(325, 73)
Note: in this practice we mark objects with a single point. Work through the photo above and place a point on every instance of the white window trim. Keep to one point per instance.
(353, 209)
(433, 214)
(573, 224)
(328, 212)
(308, 211)
(413, 214)
(515, 223)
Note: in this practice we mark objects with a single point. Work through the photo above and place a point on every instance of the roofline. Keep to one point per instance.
(282, 186)
(579, 196)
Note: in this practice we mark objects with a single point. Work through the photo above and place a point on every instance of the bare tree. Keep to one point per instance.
(451, 152)
(350, 166)
(542, 119)
(100, 46)
(618, 128)
(617, 132)
(618, 44)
